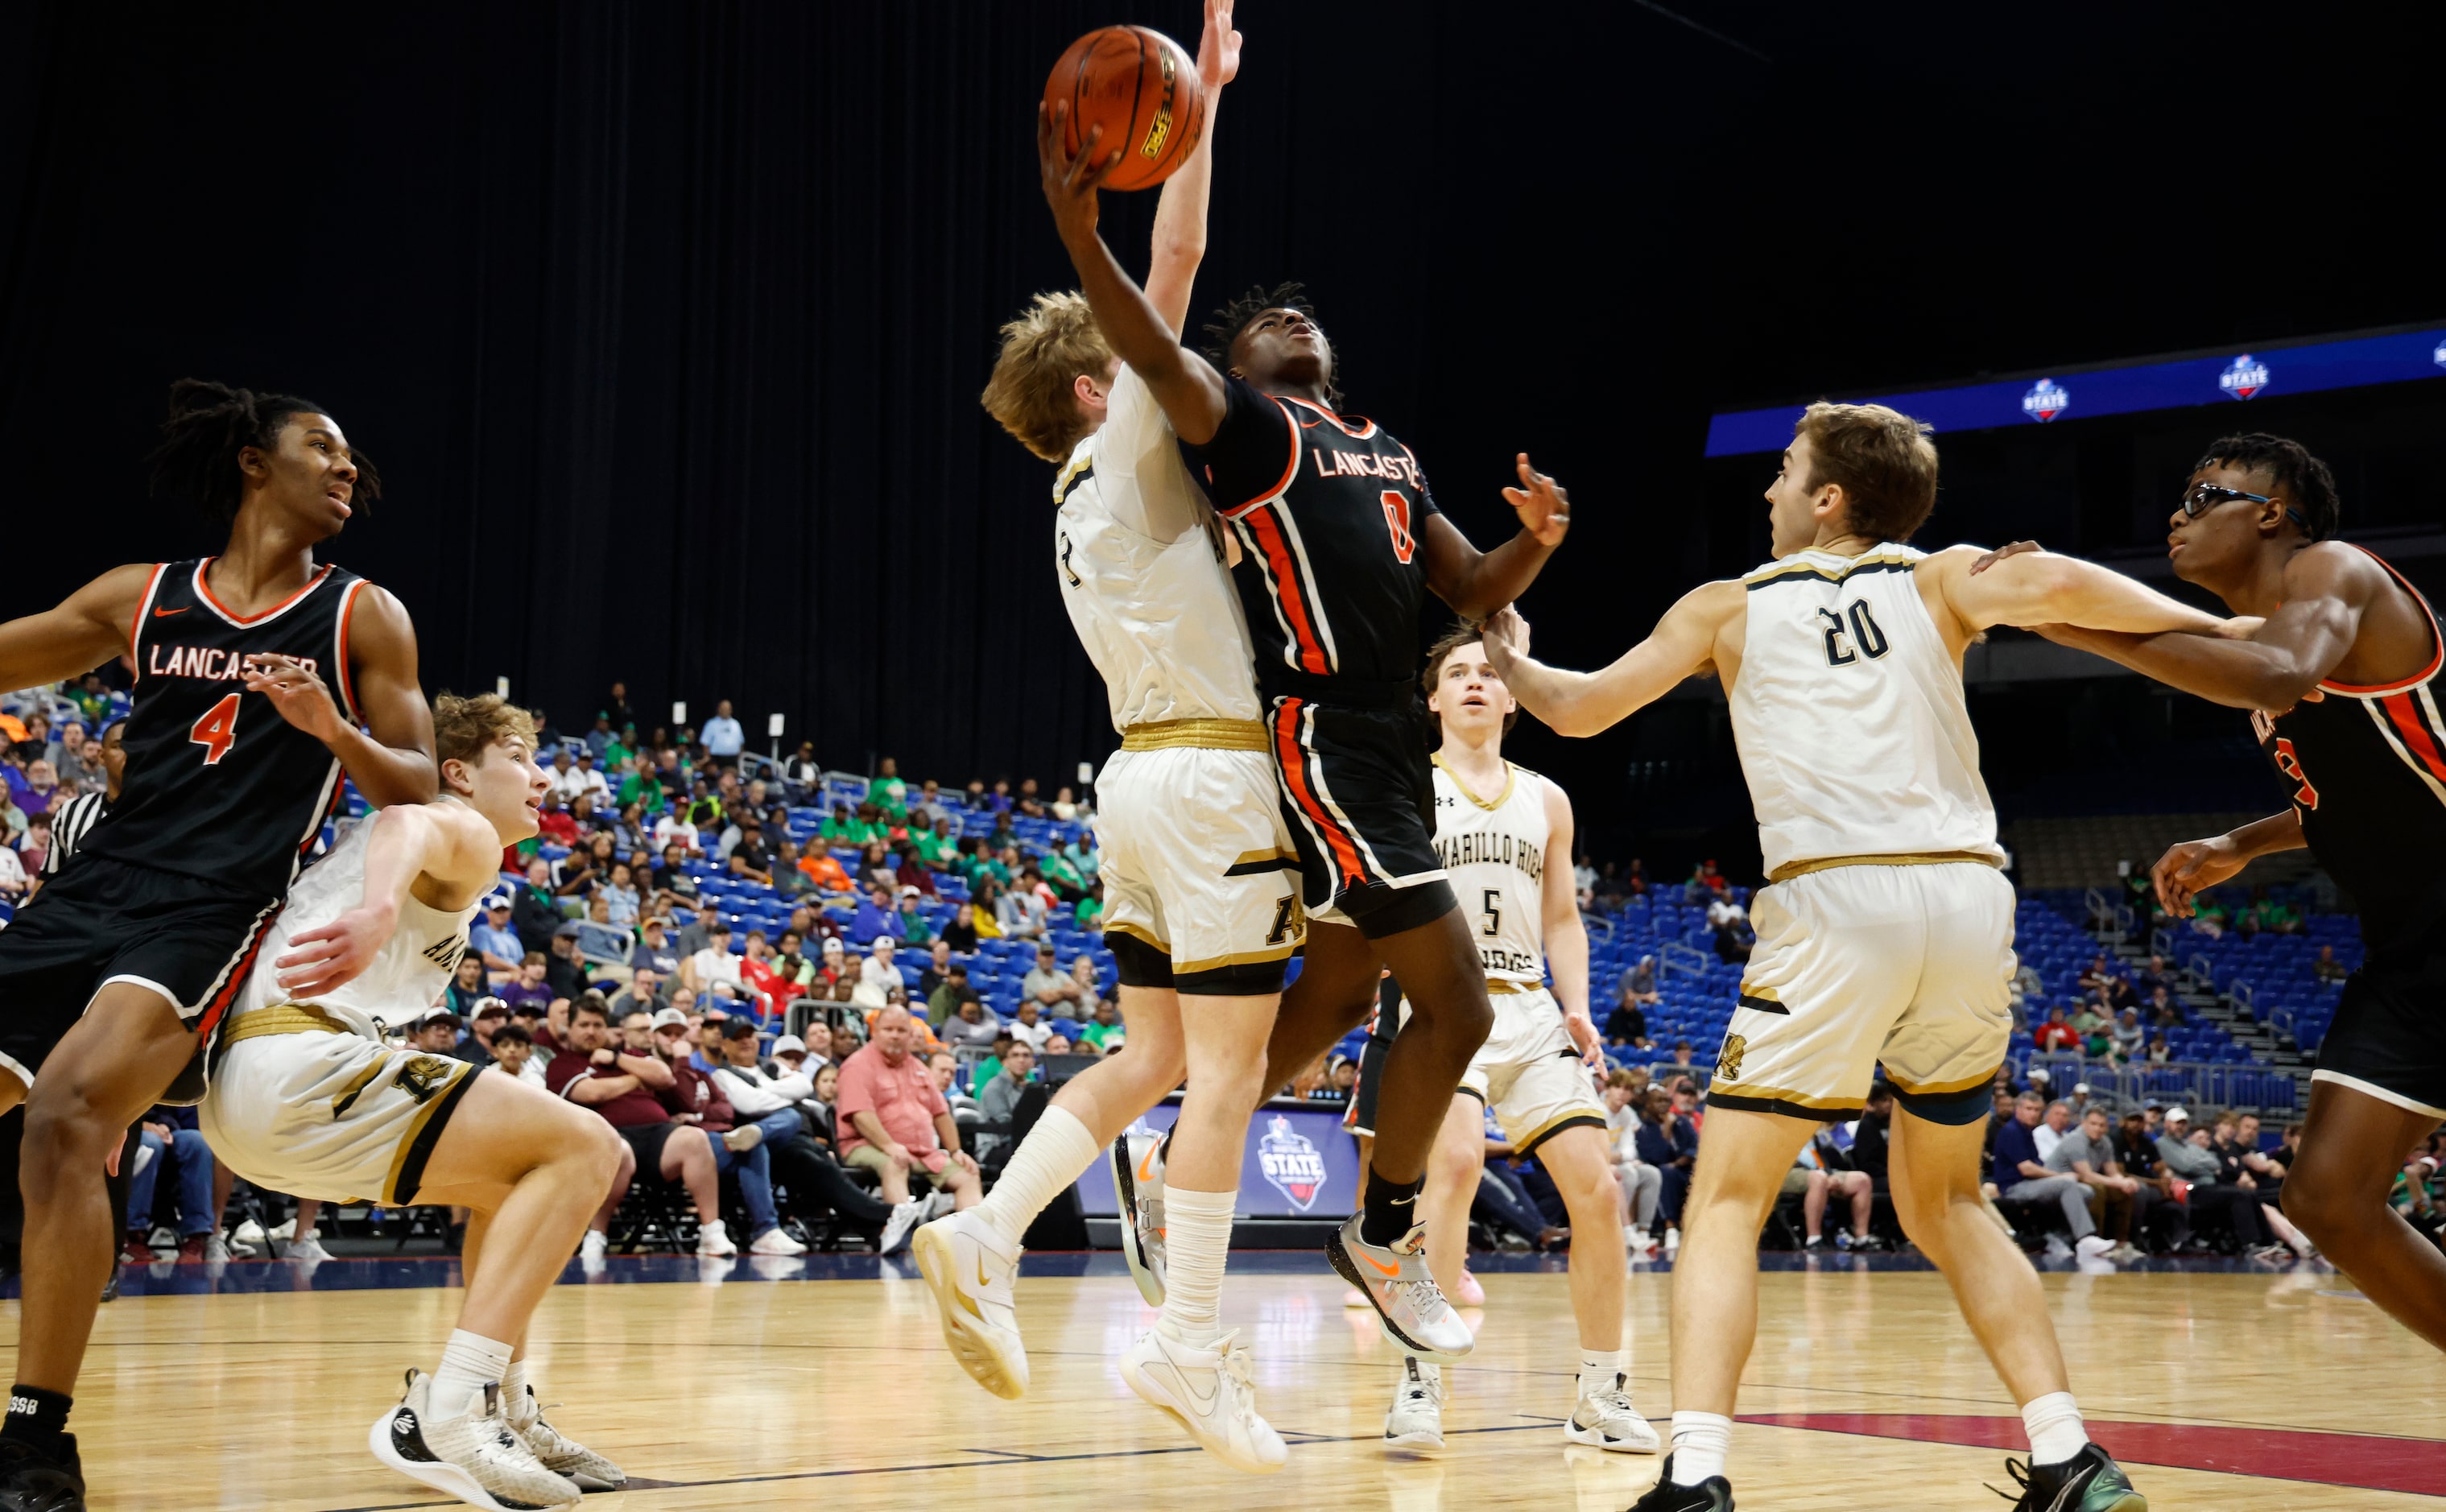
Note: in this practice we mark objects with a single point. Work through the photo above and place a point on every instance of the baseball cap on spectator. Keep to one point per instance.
(2178, 1113)
(719, 926)
(739, 1028)
(490, 1008)
(498, 900)
(527, 1010)
(436, 1015)
(666, 1017)
(567, 931)
(789, 1044)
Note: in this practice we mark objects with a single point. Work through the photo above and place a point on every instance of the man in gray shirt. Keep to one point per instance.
(2087, 1156)
(2199, 1166)
(999, 1097)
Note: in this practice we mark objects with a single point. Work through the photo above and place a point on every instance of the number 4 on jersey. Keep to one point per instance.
(217, 730)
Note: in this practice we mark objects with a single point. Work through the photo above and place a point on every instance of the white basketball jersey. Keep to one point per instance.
(1495, 854)
(1849, 718)
(1141, 571)
(405, 977)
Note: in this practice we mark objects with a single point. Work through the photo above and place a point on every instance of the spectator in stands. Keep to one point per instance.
(1627, 1025)
(2241, 1166)
(2130, 1040)
(1667, 1142)
(1021, 911)
(879, 975)
(1000, 1098)
(944, 1066)
(2094, 1027)
(34, 845)
(714, 963)
(896, 1124)
(2087, 1155)
(1704, 884)
(723, 739)
(1639, 983)
(1824, 1172)
(621, 1087)
(799, 1158)
(14, 881)
(2186, 1155)
(564, 971)
(1873, 1136)
(534, 908)
(824, 872)
(530, 986)
(1640, 1183)
(645, 992)
(2326, 968)
(78, 760)
(583, 869)
(554, 824)
(1091, 987)
(961, 934)
(1681, 1055)
(2056, 1034)
(2160, 1053)
(514, 1053)
(1106, 1030)
(491, 1014)
(654, 952)
(970, 1024)
(875, 917)
(1029, 1023)
(943, 1002)
(171, 1134)
(2146, 981)
(1051, 989)
(495, 940)
(2023, 1176)
(1056, 1043)
(2052, 1128)
(675, 831)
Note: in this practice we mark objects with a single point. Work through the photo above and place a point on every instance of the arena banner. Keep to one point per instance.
(2228, 377)
(1298, 1163)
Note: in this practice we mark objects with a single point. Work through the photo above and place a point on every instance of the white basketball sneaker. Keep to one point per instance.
(1409, 1306)
(1138, 1179)
(1213, 1393)
(1416, 1419)
(474, 1456)
(563, 1456)
(714, 1238)
(969, 1269)
(897, 1228)
(1607, 1420)
(776, 1241)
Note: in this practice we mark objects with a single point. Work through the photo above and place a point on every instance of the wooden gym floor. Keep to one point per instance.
(753, 1384)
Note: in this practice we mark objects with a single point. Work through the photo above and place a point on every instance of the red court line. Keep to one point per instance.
(2372, 1462)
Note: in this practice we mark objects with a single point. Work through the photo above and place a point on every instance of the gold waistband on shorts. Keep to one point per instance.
(1495, 987)
(281, 1018)
(1791, 869)
(1204, 734)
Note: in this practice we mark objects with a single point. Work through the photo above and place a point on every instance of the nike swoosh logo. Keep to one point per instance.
(1379, 1267)
(1146, 1166)
(164, 613)
(982, 1283)
(2067, 1496)
(1180, 1380)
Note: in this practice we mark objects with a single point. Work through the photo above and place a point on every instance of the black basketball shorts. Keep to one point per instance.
(2389, 1037)
(104, 920)
(1360, 794)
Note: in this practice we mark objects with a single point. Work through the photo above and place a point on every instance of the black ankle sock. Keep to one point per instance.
(36, 1416)
(1390, 1209)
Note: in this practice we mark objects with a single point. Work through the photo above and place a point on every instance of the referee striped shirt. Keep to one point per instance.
(69, 827)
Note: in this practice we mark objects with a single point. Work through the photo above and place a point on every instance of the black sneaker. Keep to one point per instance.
(32, 1481)
(2089, 1481)
(1714, 1494)
(1867, 1244)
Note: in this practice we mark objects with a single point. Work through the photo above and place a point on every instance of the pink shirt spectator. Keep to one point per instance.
(902, 1098)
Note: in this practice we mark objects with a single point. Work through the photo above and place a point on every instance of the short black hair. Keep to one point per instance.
(511, 1034)
(2289, 463)
(1224, 326)
(209, 423)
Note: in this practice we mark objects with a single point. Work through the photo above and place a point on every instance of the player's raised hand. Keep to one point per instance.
(1544, 508)
(326, 959)
(1218, 47)
(1070, 183)
(2191, 867)
(295, 691)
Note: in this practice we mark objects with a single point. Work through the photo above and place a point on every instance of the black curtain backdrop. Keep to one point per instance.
(666, 322)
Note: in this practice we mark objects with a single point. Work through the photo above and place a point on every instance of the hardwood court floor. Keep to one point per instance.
(2222, 1391)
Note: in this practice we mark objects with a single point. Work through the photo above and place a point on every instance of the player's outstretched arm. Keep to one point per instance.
(448, 842)
(1683, 645)
(1188, 388)
(1565, 933)
(2041, 588)
(1180, 213)
(88, 629)
(2282, 661)
(1476, 583)
(394, 764)
(2193, 866)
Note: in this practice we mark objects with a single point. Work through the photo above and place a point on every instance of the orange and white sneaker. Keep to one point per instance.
(1138, 1179)
(1410, 1308)
(969, 1269)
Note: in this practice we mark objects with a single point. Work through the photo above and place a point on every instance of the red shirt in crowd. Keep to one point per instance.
(636, 1106)
(902, 1098)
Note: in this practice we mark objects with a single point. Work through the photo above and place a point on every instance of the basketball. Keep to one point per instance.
(1142, 89)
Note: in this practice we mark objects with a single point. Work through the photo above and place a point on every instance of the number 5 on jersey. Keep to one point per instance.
(217, 730)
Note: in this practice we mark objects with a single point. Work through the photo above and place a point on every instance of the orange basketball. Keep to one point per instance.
(1142, 89)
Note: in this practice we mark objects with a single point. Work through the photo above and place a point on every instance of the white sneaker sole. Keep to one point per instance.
(440, 1474)
(1222, 1449)
(1419, 1438)
(992, 1361)
(1597, 1438)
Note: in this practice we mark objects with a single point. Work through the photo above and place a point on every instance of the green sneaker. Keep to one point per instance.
(2089, 1481)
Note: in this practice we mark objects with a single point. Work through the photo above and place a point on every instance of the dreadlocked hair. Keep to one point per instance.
(1233, 319)
(209, 424)
(2293, 467)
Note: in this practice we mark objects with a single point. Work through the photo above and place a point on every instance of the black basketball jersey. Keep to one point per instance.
(1330, 512)
(218, 786)
(2366, 769)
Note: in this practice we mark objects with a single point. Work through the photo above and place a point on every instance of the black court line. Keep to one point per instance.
(1001, 1457)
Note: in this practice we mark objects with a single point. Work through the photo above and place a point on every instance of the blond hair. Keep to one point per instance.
(463, 728)
(1043, 351)
(1882, 459)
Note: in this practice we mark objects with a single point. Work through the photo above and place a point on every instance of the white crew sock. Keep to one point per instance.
(1599, 1371)
(468, 1361)
(1055, 1153)
(1197, 1240)
(515, 1383)
(1701, 1440)
(2055, 1428)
